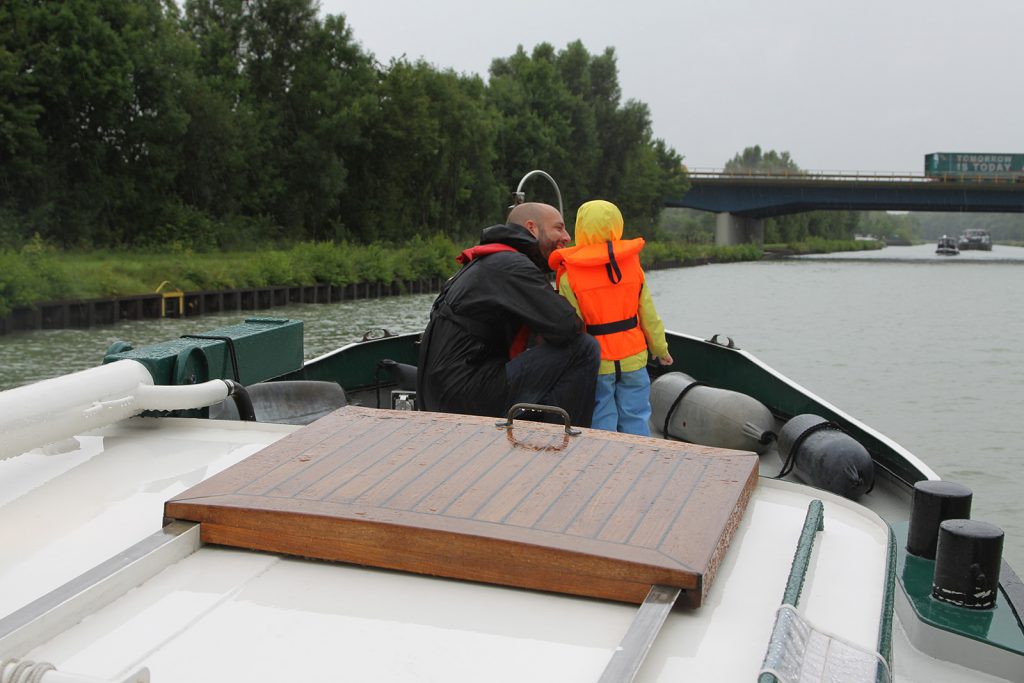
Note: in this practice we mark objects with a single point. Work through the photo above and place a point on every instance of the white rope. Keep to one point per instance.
(23, 671)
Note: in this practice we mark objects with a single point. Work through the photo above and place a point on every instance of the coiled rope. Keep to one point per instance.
(23, 671)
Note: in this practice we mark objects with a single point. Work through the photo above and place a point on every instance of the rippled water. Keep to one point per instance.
(31, 356)
(926, 349)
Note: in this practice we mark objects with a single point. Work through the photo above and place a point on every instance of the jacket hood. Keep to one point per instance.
(517, 237)
(598, 221)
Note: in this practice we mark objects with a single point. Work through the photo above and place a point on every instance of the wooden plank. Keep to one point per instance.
(602, 515)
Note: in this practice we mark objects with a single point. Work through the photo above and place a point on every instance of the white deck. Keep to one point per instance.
(227, 615)
(64, 513)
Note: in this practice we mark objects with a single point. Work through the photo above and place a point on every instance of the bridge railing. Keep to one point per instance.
(853, 176)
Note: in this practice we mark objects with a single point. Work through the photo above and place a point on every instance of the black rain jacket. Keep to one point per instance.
(476, 318)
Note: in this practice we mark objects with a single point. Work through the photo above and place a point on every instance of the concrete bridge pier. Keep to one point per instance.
(731, 230)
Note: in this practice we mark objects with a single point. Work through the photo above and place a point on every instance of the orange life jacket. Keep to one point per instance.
(606, 279)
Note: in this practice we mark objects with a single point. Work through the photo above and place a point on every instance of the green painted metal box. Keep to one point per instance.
(253, 351)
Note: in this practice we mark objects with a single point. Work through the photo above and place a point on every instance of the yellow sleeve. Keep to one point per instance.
(650, 323)
(566, 290)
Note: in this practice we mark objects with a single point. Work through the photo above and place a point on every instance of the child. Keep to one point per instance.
(602, 278)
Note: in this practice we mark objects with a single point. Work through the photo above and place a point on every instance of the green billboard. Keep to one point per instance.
(971, 163)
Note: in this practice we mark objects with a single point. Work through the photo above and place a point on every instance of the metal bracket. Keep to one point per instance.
(629, 656)
(727, 344)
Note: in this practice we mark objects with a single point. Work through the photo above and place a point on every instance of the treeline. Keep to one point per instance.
(1005, 227)
(222, 124)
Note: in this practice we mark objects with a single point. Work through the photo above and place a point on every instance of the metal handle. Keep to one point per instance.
(518, 197)
(538, 408)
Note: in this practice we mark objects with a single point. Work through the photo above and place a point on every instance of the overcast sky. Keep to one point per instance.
(871, 85)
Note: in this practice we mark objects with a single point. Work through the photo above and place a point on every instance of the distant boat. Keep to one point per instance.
(947, 246)
(975, 238)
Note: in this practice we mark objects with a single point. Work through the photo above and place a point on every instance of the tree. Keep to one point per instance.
(22, 148)
(93, 114)
(751, 160)
(687, 225)
(535, 125)
(253, 121)
(286, 99)
(561, 112)
(426, 167)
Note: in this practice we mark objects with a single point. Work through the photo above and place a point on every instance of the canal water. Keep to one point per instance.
(927, 349)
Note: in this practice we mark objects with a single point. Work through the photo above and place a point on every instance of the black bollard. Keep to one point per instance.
(967, 563)
(935, 502)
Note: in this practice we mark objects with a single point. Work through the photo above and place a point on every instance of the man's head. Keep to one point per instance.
(544, 222)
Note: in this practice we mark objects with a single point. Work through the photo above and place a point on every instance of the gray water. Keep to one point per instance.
(926, 349)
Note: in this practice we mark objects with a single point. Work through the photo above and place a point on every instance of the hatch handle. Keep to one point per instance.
(538, 408)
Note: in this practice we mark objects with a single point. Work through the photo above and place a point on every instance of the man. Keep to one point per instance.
(500, 335)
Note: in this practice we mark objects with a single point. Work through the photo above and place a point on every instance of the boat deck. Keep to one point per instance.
(599, 515)
(314, 620)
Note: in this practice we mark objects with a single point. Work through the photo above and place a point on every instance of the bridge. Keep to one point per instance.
(743, 200)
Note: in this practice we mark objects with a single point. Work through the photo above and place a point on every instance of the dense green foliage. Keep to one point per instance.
(139, 139)
(817, 245)
(30, 276)
(669, 254)
(37, 273)
(233, 123)
(753, 160)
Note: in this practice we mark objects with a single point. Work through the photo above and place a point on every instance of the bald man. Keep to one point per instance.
(498, 332)
(544, 222)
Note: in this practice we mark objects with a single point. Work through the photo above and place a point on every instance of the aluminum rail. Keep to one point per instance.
(629, 656)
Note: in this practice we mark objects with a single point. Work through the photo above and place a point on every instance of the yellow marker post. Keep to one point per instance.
(170, 294)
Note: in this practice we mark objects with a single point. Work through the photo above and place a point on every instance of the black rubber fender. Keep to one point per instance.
(823, 455)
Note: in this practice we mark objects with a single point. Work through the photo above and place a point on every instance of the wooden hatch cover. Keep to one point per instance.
(601, 514)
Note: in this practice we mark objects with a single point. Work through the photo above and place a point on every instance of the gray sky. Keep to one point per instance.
(871, 85)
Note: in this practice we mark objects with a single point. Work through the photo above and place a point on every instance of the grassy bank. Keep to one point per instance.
(39, 273)
(822, 246)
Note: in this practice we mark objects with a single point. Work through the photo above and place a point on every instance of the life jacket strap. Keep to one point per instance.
(613, 327)
(612, 267)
